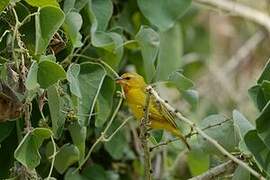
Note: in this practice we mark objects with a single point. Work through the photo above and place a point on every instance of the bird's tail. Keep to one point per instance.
(177, 133)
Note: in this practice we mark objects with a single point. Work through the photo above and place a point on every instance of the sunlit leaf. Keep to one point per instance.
(3, 5)
(41, 3)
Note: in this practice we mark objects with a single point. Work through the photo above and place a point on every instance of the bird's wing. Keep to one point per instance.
(159, 109)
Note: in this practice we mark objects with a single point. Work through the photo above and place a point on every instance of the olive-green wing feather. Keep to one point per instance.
(159, 109)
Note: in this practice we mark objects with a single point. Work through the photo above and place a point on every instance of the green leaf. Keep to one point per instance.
(263, 125)
(148, 40)
(170, 52)
(198, 161)
(42, 3)
(157, 135)
(241, 174)
(31, 82)
(3, 5)
(265, 86)
(27, 152)
(57, 106)
(72, 26)
(49, 73)
(225, 129)
(78, 135)
(5, 129)
(265, 73)
(258, 149)
(96, 171)
(99, 14)
(71, 175)
(242, 126)
(72, 76)
(67, 155)
(90, 79)
(47, 22)
(103, 11)
(181, 82)
(257, 96)
(116, 146)
(104, 101)
(192, 97)
(163, 13)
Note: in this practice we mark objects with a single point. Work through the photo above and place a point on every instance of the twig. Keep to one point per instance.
(116, 131)
(240, 10)
(228, 167)
(204, 135)
(144, 136)
(188, 135)
(243, 52)
(27, 114)
(102, 136)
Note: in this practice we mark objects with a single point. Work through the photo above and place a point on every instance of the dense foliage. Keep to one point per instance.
(59, 60)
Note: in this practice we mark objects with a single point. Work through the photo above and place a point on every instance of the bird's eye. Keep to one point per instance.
(127, 78)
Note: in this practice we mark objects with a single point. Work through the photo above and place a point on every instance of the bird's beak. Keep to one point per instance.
(119, 80)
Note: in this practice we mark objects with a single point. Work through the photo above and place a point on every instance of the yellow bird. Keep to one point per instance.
(159, 117)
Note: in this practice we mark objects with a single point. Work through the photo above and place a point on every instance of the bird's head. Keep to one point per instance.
(131, 80)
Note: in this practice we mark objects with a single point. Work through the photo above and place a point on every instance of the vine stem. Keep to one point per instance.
(189, 135)
(144, 136)
(53, 158)
(203, 134)
(216, 171)
(102, 136)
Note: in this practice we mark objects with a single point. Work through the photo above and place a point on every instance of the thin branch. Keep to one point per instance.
(240, 10)
(116, 131)
(188, 135)
(144, 139)
(243, 52)
(102, 136)
(204, 135)
(228, 167)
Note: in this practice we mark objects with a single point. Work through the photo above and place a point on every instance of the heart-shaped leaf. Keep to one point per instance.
(163, 13)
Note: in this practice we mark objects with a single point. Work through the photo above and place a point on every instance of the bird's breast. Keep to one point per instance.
(136, 100)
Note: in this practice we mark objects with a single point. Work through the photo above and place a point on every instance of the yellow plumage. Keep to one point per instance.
(159, 117)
